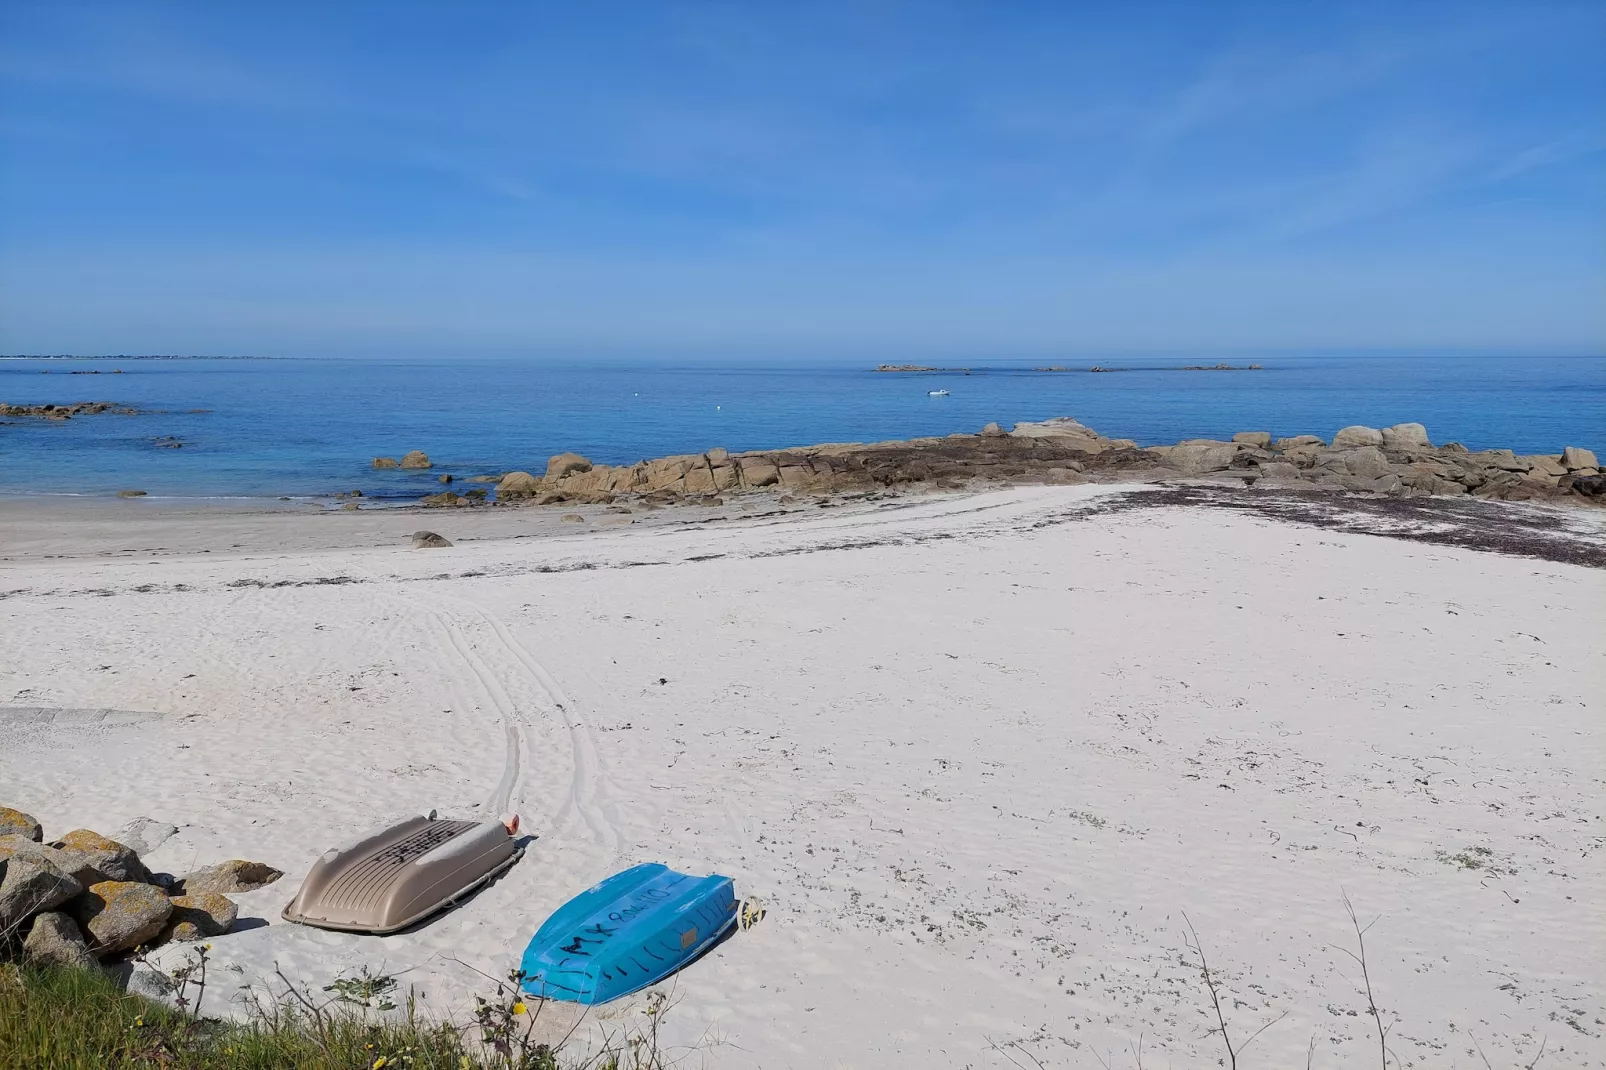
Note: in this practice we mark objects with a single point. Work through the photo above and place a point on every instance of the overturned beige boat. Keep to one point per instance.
(397, 876)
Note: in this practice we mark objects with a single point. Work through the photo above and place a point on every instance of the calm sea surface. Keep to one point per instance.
(311, 427)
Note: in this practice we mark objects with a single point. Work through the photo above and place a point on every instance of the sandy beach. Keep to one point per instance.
(978, 755)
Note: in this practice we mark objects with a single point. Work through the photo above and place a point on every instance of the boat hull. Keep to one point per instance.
(395, 877)
(628, 932)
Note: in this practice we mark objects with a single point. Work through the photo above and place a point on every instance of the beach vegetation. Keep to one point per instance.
(82, 1019)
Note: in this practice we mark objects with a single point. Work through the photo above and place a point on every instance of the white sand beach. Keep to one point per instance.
(977, 754)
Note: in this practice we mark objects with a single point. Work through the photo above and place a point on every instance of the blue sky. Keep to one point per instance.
(984, 178)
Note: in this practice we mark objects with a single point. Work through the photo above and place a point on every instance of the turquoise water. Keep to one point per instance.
(311, 427)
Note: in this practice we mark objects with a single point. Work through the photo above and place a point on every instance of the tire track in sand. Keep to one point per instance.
(589, 783)
(507, 710)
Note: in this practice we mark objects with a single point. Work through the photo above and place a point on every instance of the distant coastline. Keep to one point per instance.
(133, 356)
(1061, 368)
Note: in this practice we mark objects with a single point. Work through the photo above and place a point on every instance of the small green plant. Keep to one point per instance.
(367, 990)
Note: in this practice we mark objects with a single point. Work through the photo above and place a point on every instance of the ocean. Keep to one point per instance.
(311, 427)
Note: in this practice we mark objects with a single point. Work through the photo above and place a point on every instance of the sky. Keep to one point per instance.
(794, 179)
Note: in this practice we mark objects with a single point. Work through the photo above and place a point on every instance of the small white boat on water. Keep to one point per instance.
(937, 393)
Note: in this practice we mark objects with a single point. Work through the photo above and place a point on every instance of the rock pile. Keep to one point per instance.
(410, 459)
(1399, 460)
(86, 897)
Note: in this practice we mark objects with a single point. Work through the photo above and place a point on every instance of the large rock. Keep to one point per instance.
(55, 940)
(32, 882)
(95, 858)
(1058, 427)
(17, 823)
(1279, 472)
(1406, 437)
(699, 479)
(759, 472)
(22, 846)
(428, 540)
(797, 476)
(385, 462)
(992, 430)
(119, 915)
(1365, 462)
(1356, 435)
(1589, 486)
(1576, 457)
(145, 834)
(196, 917)
(445, 499)
(1541, 463)
(1386, 484)
(1295, 441)
(228, 878)
(416, 459)
(1502, 459)
(1201, 456)
(1253, 438)
(560, 465)
(517, 485)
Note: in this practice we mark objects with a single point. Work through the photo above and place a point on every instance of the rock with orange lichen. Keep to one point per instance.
(96, 858)
(120, 915)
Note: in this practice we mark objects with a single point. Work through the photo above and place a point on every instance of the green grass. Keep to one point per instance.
(64, 1019)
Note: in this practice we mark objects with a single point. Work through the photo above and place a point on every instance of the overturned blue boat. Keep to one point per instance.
(631, 930)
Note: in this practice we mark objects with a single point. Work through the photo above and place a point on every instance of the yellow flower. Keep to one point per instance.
(519, 1008)
(381, 1061)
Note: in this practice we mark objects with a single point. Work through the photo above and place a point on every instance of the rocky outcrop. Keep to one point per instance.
(386, 462)
(66, 412)
(17, 823)
(227, 878)
(416, 459)
(1398, 460)
(428, 540)
(120, 915)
